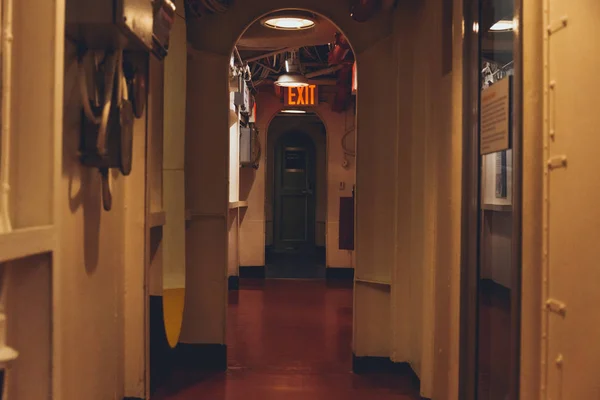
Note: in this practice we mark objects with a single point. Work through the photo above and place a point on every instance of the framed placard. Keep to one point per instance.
(495, 118)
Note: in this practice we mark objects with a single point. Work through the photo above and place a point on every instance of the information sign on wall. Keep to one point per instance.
(306, 96)
(495, 118)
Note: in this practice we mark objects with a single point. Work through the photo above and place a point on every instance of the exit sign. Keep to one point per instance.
(301, 96)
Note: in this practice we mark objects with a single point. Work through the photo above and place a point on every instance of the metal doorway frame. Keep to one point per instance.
(470, 220)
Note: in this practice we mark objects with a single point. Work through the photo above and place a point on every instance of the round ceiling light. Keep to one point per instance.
(289, 22)
(502, 26)
(292, 79)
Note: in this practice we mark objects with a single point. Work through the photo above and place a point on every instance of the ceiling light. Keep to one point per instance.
(289, 23)
(504, 25)
(293, 111)
(293, 76)
(292, 79)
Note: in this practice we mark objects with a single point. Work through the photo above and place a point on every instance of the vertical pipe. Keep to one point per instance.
(7, 39)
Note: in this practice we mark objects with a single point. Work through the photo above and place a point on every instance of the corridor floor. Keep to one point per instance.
(290, 340)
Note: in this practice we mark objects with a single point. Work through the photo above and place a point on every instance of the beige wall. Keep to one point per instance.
(570, 273)
(175, 72)
(207, 197)
(533, 199)
(92, 248)
(259, 213)
(427, 266)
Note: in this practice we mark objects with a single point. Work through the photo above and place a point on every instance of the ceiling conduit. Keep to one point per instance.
(340, 50)
(336, 57)
(344, 89)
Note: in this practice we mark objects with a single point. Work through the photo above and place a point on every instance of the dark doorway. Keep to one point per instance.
(297, 193)
(294, 194)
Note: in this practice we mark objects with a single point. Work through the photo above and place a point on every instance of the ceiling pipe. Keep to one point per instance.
(239, 57)
(325, 71)
(272, 53)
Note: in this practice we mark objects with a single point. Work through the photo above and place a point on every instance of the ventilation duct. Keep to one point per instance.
(340, 50)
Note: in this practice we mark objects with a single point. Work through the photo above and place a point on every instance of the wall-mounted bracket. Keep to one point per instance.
(557, 307)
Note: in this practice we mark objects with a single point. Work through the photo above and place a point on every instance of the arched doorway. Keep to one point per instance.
(296, 198)
(204, 325)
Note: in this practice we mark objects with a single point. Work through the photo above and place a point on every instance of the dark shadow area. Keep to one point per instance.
(295, 265)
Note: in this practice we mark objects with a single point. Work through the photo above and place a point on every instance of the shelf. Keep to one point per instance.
(156, 219)
(26, 242)
(373, 281)
(238, 204)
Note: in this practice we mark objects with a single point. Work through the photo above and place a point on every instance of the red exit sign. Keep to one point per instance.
(301, 96)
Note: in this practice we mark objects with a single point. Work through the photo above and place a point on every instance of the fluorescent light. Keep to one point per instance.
(504, 25)
(289, 23)
(292, 111)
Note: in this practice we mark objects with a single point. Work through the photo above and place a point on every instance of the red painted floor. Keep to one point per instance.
(289, 340)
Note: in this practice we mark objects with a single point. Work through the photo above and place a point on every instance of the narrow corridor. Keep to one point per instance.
(289, 339)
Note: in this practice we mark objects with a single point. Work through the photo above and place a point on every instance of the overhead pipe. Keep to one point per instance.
(272, 53)
(325, 71)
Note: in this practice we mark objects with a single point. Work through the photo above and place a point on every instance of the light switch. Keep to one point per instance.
(342, 185)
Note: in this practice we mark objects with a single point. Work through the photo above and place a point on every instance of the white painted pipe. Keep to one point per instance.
(109, 82)
(7, 39)
(7, 354)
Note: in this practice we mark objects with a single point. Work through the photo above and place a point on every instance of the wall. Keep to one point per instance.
(570, 272)
(67, 256)
(175, 72)
(207, 197)
(28, 230)
(254, 190)
(533, 199)
(428, 193)
(91, 263)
